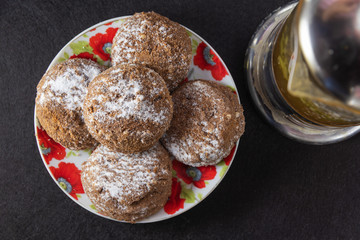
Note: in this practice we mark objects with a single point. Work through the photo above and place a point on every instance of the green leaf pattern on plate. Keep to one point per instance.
(64, 58)
(194, 45)
(190, 193)
(80, 47)
(224, 168)
(88, 151)
(187, 193)
(72, 153)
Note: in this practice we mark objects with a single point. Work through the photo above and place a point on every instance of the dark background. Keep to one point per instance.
(275, 189)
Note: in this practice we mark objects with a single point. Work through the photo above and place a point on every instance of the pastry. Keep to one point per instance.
(59, 101)
(128, 108)
(208, 120)
(128, 187)
(156, 42)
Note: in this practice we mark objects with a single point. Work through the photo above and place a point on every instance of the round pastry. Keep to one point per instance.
(59, 101)
(208, 120)
(128, 187)
(128, 108)
(156, 42)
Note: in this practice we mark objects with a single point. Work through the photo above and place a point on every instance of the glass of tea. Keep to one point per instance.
(301, 77)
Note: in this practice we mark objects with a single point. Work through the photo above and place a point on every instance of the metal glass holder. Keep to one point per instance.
(268, 98)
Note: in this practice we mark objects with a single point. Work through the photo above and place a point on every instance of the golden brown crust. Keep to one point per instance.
(128, 108)
(156, 42)
(208, 120)
(59, 101)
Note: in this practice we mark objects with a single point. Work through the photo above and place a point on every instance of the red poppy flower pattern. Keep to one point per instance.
(195, 175)
(101, 43)
(175, 202)
(68, 177)
(189, 184)
(228, 159)
(49, 148)
(206, 59)
(84, 55)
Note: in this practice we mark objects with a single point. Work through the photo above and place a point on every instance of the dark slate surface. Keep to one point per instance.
(275, 189)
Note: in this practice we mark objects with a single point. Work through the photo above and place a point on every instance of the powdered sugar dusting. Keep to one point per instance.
(122, 176)
(177, 148)
(200, 89)
(145, 34)
(125, 99)
(200, 141)
(137, 30)
(70, 87)
(204, 149)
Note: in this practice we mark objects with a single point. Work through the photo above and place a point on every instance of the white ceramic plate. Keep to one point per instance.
(190, 185)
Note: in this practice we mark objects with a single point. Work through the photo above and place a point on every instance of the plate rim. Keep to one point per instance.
(144, 220)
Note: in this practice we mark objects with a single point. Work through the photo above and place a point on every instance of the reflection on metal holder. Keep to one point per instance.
(266, 95)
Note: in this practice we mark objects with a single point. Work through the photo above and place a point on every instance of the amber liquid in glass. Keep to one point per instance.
(328, 112)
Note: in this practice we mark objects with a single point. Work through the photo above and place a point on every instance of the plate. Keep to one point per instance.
(190, 185)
